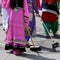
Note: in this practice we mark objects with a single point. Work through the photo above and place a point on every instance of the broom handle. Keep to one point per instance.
(32, 40)
(31, 37)
(47, 30)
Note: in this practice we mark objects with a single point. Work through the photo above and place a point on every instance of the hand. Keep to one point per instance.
(28, 30)
(38, 15)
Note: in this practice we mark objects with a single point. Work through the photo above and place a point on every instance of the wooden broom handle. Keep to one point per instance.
(31, 38)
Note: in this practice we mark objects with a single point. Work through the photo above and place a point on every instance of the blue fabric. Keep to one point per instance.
(42, 4)
(32, 25)
(32, 22)
(27, 37)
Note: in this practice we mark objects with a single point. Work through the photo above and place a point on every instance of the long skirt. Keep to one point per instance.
(15, 34)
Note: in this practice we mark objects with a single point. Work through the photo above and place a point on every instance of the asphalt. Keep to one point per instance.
(47, 52)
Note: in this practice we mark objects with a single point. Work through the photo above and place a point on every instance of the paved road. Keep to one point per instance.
(46, 53)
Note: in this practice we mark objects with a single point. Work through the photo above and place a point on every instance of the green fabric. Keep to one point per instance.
(58, 3)
(54, 27)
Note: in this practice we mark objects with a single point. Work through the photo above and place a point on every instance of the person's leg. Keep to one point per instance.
(16, 49)
(8, 43)
(32, 24)
(22, 48)
(55, 27)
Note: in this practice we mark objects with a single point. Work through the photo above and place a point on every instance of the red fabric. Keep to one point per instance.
(48, 17)
(50, 1)
(38, 4)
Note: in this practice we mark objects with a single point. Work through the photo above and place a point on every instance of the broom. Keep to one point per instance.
(34, 47)
(55, 44)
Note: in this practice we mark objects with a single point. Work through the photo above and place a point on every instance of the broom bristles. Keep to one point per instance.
(35, 48)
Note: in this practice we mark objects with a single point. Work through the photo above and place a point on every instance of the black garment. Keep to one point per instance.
(16, 3)
(51, 7)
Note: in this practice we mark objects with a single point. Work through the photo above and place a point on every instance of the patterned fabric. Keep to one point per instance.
(50, 14)
(32, 24)
(18, 21)
(50, 9)
(32, 8)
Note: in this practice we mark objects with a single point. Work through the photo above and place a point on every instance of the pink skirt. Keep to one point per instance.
(16, 28)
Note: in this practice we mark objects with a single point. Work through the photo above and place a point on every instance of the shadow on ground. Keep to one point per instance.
(42, 36)
(50, 49)
(34, 57)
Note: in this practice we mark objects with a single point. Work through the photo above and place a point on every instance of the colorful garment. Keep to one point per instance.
(18, 22)
(50, 14)
(32, 8)
(42, 4)
(32, 23)
(38, 4)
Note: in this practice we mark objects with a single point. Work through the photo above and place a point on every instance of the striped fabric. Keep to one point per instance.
(17, 22)
(50, 11)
